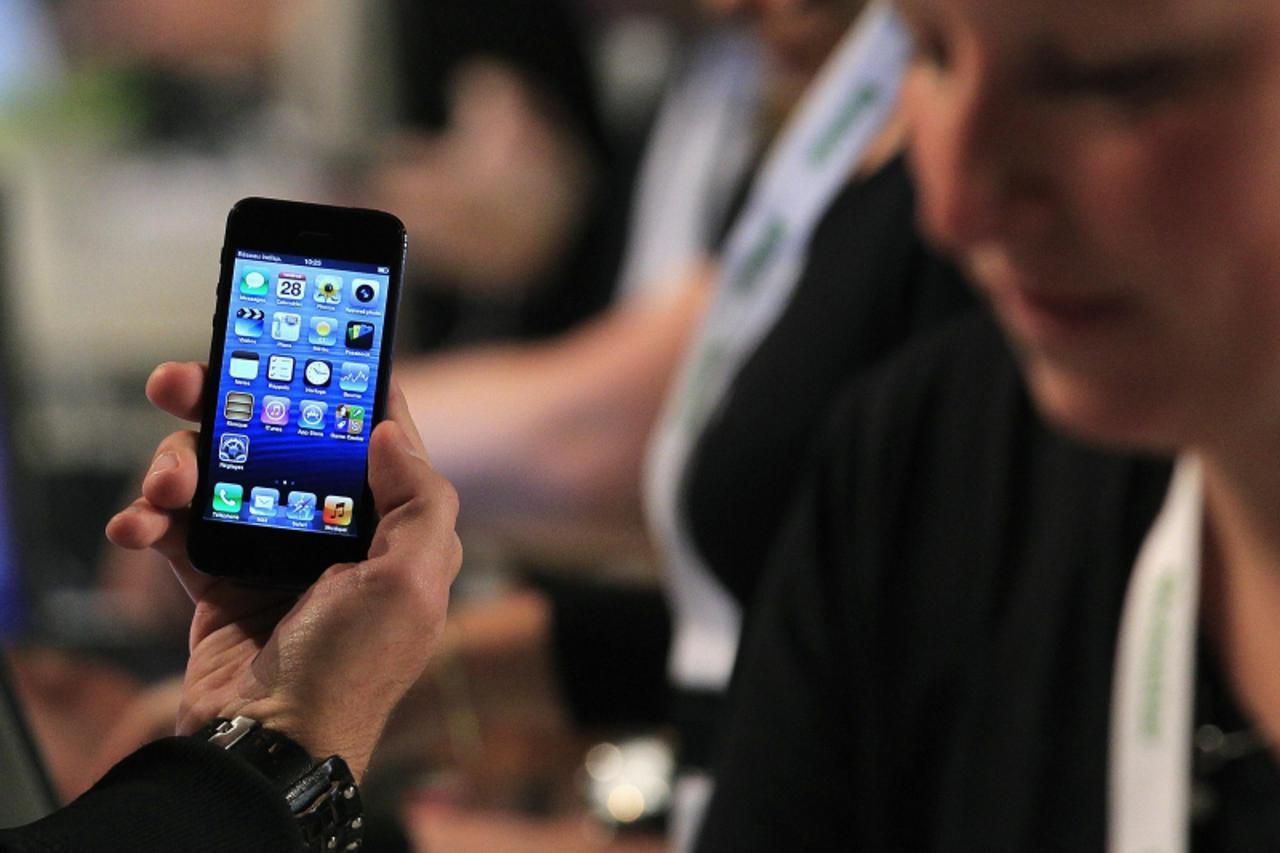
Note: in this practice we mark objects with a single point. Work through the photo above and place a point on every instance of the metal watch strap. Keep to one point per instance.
(322, 797)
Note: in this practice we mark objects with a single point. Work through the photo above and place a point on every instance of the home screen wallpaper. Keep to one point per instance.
(295, 400)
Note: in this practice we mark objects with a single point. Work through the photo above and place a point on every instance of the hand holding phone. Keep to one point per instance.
(299, 362)
(326, 668)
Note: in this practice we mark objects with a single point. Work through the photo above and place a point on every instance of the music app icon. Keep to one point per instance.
(338, 510)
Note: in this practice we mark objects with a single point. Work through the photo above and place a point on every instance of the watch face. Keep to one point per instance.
(318, 373)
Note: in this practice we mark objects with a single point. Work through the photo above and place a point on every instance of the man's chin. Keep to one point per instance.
(1108, 411)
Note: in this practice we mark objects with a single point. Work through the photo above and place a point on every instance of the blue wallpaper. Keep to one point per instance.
(295, 397)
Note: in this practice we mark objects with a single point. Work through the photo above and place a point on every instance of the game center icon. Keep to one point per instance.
(349, 419)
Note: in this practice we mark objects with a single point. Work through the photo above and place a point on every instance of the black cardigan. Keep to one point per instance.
(929, 666)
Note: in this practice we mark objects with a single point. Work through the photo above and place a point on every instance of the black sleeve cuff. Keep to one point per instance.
(177, 794)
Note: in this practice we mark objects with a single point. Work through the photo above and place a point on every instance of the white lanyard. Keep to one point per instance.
(1152, 700)
(703, 141)
(845, 109)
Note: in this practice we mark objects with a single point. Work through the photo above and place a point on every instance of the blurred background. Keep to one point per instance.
(507, 134)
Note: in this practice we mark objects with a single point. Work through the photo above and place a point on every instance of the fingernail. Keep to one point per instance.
(163, 462)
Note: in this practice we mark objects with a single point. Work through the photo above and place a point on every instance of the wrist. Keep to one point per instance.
(321, 794)
(314, 730)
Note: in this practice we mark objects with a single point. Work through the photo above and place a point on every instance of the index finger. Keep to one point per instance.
(398, 411)
(178, 388)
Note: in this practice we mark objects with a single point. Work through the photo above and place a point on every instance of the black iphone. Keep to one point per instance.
(298, 375)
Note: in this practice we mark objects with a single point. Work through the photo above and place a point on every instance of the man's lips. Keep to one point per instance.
(1052, 314)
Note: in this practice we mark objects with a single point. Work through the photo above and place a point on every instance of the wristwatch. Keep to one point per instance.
(321, 795)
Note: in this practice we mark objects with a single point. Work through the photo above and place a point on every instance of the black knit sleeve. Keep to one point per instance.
(177, 794)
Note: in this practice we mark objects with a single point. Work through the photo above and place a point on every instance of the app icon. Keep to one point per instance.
(263, 501)
(291, 285)
(275, 410)
(233, 448)
(324, 331)
(301, 506)
(354, 376)
(311, 414)
(338, 510)
(286, 327)
(244, 364)
(328, 290)
(280, 368)
(364, 292)
(249, 322)
(253, 283)
(227, 497)
(359, 335)
(238, 406)
(318, 373)
(349, 419)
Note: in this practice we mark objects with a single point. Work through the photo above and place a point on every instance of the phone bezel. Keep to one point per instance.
(276, 556)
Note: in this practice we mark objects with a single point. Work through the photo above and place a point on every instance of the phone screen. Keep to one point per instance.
(295, 394)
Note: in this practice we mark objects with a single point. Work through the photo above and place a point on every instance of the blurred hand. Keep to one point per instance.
(325, 668)
(492, 200)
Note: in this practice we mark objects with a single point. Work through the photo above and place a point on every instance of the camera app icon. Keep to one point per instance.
(364, 292)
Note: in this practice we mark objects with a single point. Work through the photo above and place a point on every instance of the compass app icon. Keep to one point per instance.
(301, 506)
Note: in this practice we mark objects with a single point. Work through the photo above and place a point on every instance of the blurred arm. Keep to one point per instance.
(548, 439)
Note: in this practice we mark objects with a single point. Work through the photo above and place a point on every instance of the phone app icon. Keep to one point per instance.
(324, 331)
(244, 364)
(227, 497)
(301, 506)
(263, 501)
(318, 373)
(253, 283)
(349, 419)
(280, 368)
(275, 410)
(364, 292)
(291, 285)
(338, 510)
(359, 335)
(311, 414)
(354, 377)
(286, 327)
(233, 448)
(249, 322)
(238, 406)
(328, 290)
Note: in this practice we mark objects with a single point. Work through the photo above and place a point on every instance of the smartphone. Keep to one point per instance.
(298, 375)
